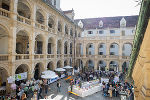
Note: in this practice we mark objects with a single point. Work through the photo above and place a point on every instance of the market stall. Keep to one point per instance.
(87, 88)
(69, 70)
(60, 72)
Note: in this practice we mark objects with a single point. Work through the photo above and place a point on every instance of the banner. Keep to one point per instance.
(21, 76)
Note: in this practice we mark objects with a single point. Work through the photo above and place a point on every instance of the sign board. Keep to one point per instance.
(21, 76)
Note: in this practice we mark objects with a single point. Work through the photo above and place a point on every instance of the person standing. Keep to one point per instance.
(58, 86)
(39, 92)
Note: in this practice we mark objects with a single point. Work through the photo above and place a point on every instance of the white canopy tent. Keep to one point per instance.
(60, 69)
(67, 67)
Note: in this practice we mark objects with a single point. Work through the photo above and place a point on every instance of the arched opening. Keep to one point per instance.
(114, 49)
(59, 27)
(3, 40)
(90, 49)
(65, 63)
(70, 48)
(71, 32)
(125, 67)
(22, 43)
(102, 49)
(39, 17)
(113, 66)
(50, 66)
(101, 65)
(23, 9)
(5, 4)
(3, 78)
(59, 47)
(66, 48)
(90, 64)
(126, 49)
(66, 29)
(50, 47)
(50, 23)
(39, 44)
(22, 69)
(38, 70)
(79, 63)
(59, 65)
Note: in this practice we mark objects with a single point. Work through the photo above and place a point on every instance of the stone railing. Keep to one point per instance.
(125, 57)
(38, 56)
(23, 20)
(4, 12)
(50, 56)
(114, 56)
(40, 26)
(91, 56)
(59, 55)
(22, 56)
(102, 56)
(3, 57)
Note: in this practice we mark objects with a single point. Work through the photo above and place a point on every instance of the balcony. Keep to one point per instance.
(23, 20)
(3, 57)
(40, 26)
(4, 13)
(50, 56)
(38, 56)
(114, 56)
(22, 56)
(125, 57)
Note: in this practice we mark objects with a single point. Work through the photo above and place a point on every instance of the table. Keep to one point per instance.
(85, 91)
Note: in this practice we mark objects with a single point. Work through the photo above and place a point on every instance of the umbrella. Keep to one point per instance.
(68, 67)
(47, 72)
(49, 76)
(60, 69)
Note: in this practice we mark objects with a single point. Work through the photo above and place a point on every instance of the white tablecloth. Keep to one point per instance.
(85, 92)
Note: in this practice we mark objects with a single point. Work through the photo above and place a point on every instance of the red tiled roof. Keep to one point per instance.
(108, 22)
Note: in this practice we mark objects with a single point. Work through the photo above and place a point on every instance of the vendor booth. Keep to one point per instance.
(69, 70)
(60, 72)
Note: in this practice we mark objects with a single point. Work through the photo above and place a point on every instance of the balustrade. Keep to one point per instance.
(3, 57)
(23, 20)
(40, 26)
(4, 12)
(50, 56)
(22, 56)
(38, 56)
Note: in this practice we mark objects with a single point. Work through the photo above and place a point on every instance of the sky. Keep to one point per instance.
(101, 8)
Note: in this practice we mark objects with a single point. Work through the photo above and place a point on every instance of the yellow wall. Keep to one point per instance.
(141, 71)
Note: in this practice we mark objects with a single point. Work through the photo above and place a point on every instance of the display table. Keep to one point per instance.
(88, 88)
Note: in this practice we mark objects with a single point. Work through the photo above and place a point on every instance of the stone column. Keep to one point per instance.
(55, 48)
(33, 15)
(96, 50)
(13, 9)
(84, 49)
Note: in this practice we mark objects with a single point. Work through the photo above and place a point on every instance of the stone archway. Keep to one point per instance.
(50, 46)
(38, 70)
(102, 49)
(50, 66)
(125, 66)
(59, 64)
(113, 66)
(65, 63)
(101, 65)
(39, 44)
(90, 50)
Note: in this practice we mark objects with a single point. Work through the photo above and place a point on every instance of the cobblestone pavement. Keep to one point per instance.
(63, 95)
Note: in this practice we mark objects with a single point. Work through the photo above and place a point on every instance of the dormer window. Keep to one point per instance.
(123, 23)
(80, 24)
(101, 23)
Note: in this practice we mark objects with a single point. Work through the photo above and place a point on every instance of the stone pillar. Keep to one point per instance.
(84, 49)
(120, 49)
(95, 64)
(33, 15)
(13, 9)
(96, 49)
(55, 48)
(107, 48)
(46, 21)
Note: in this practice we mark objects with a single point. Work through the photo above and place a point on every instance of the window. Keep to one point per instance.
(123, 32)
(112, 46)
(112, 53)
(101, 46)
(101, 32)
(54, 2)
(100, 53)
(90, 32)
(90, 46)
(112, 31)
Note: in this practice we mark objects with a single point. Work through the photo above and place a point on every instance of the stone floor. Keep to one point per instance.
(63, 95)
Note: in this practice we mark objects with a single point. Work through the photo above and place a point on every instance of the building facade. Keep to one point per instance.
(105, 43)
(139, 68)
(35, 35)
